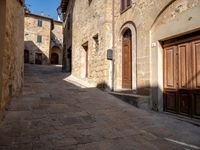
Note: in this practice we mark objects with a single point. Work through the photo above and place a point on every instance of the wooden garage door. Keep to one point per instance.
(182, 78)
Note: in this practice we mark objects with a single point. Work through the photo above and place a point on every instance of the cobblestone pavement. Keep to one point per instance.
(53, 114)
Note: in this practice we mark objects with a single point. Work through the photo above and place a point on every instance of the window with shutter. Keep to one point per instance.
(39, 39)
(39, 23)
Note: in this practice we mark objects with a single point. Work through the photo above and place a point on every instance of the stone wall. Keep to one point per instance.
(11, 47)
(90, 20)
(32, 31)
(140, 16)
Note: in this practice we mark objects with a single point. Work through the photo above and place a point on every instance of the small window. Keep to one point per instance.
(96, 42)
(39, 39)
(125, 4)
(39, 23)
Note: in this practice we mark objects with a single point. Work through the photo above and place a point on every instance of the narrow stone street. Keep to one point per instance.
(53, 114)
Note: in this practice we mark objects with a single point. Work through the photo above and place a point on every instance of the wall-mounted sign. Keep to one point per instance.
(153, 44)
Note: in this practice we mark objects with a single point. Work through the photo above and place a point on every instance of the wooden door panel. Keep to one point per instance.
(184, 103)
(170, 65)
(170, 101)
(126, 65)
(196, 105)
(184, 55)
(196, 78)
(196, 64)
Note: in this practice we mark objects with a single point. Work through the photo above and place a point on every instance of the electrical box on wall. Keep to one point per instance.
(109, 54)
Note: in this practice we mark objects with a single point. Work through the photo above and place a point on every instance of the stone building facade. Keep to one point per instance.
(140, 32)
(89, 46)
(43, 40)
(11, 50)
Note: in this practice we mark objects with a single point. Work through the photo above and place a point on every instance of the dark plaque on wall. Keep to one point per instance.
(110, 54)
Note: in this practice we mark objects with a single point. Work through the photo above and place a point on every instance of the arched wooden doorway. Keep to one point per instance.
(26, 56)
(54, 58)
(127, 60)
(56, 55)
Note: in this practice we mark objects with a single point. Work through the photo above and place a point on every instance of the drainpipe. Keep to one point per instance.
(113, 44)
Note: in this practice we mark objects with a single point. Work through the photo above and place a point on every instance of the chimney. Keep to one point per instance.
(42, 13)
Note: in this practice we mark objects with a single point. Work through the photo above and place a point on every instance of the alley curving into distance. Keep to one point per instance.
(53, 114)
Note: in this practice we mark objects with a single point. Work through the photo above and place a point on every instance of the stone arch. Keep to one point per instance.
(181, 18)
(130, 25)
(56, 50)
(161, 12)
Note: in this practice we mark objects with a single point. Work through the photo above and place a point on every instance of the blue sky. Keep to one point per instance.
(47, 6)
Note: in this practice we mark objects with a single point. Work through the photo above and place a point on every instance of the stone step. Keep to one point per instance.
(138, 101)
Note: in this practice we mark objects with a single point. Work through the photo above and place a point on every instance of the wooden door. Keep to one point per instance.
(38, 58)
(26, 56)
(85, 46)
(182, 79)
(86, 62)
(54, 58)
(127, 60)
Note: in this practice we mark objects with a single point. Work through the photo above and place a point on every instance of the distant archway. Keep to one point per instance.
(56, 55)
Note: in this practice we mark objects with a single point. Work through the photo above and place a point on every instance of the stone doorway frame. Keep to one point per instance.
(131, 26)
